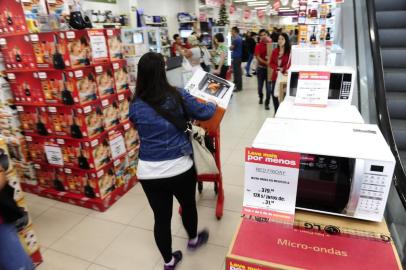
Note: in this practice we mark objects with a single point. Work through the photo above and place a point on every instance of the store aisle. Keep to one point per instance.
(75, 238)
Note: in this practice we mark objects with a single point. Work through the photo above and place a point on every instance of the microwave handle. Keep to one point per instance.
(356, 185)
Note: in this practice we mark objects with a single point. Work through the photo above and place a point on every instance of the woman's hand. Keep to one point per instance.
(216, 72)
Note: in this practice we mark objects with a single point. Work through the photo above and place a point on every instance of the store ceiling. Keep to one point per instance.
(261, 3)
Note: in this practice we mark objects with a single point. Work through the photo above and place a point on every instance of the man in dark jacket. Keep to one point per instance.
(250, 43)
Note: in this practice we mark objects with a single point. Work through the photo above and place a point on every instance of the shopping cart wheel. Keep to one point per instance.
(200, 187)
(216, 188)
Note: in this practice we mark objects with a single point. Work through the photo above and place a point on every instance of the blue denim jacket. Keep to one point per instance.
(159, 139)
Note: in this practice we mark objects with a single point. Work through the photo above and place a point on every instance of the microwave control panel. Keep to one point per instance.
(345, 89)
(374, 183)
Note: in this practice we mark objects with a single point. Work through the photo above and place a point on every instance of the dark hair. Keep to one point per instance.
(152, 84)
(193, 33)
(175, 36)
(262, 31)
(219, 37)
(287, 42)
(235, 29)
(296, 32)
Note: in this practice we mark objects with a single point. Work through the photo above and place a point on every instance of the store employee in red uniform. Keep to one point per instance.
(280, 61)
(261, 56)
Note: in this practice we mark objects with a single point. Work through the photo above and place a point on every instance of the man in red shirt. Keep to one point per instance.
(262, 75)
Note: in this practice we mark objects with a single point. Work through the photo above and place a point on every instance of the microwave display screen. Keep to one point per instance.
(324, 182)
(376, 168)
(340, 85)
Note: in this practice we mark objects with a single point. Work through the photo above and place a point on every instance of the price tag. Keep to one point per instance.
(116, 162)
(20, 108)
(120, 97)
(34, 38)
(11, 76)
(42, 75)
(87, 109)
(116, 65)
(52, 109)
(78, 73)
(313, 88)
(94, 142)
(98, 69)
(99, 47)
(109, 32)
(60, 141)
(271, 179)
(105, 102)
(117, 147)
(100, 173)
(67, 170)
(54, 155)
(70, 34)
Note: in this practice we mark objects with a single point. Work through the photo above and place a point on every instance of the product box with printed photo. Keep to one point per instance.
(105, 80)
(205, 87)
(25, 86)
(34, 120)
(17, 52)
(50, 49)
(121, 76)
(115, 44)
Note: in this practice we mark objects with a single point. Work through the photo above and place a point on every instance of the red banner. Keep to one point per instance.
(232, 9)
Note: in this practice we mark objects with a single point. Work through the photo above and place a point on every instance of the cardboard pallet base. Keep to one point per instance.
(315, 241)
(95, 204)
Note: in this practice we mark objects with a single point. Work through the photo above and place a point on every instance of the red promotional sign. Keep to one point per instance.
(232, 9)
(247, 14)
(214, 3)
(277, 5)
(297, 247)
(202, 17)
(261, 14)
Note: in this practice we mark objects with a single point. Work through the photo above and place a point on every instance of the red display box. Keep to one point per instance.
(26, 87)
(17, 52)
(105, 80)
(85, 47)
(55, 87)
(35, 146)
(121, 76)
(315, 241)
(111, 112)
(50, 49)
(83, 82)
(131, 138)
(115, 44)
(34, 120)
(124, 101)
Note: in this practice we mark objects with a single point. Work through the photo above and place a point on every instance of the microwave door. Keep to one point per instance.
(324, 184)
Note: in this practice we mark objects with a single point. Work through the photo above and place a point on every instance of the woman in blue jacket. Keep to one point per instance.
(165, 167)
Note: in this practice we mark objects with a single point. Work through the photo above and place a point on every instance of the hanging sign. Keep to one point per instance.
(214, 3)
(271, 179)
(261, 14)
(313, 88)
(276, 5)
(247, 13)
(232, 9)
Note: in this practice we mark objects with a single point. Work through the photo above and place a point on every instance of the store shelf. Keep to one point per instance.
(80, 200)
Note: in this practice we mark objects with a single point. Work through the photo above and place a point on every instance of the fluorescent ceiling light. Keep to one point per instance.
(258, 3)
(260, 8)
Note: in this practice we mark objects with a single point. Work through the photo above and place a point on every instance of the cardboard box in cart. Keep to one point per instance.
(315, 241)
(205, 87)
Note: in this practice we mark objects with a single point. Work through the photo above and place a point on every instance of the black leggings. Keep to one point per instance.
(160, 194)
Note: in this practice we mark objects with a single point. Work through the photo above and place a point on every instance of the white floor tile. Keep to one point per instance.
(54, 223)
(221, 231)
(89, 238)
(98, 267)
(133, 249)
(73, 208)
(54, 260)
(207, 257)
(233, 175)
(125, 209)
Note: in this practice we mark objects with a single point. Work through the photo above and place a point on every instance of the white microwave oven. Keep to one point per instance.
(345, 169)
(342, 82)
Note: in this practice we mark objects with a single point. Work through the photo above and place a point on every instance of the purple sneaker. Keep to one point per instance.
(202, 239)
(178, 257)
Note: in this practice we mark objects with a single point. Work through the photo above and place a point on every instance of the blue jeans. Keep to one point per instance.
(262, 79)
(248, 65)
(12, 254)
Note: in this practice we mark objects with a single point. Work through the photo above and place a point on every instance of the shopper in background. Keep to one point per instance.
(275, 34)
(294, 37)
(194, 55)
(250, 43)
(177, 45)
(220, 56)
(236, 58)
(280, 61)
(12, 254)
(262, 64)
(165, 167)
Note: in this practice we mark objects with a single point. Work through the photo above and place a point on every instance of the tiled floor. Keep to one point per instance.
(75, 238)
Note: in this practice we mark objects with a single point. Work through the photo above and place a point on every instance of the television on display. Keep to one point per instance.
(185, 33)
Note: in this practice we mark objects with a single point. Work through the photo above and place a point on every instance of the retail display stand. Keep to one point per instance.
(314, 241)
(72, 92)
